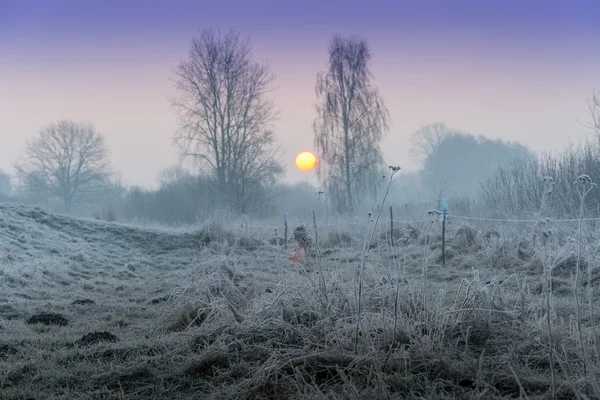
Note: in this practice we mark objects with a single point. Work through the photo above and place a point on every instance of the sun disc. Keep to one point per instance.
(306, 161)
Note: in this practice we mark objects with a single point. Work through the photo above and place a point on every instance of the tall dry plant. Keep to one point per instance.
(583, 185)
(403, 241)
(322, 284)
(542, 235)
(365, 254)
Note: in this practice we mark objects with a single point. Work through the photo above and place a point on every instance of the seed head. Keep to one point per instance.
(406, 234)
(302, 237)
(583, 180)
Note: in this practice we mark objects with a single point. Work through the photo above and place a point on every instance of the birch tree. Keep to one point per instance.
(351, 122)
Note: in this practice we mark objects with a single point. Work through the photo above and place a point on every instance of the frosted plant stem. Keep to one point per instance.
(364, 260)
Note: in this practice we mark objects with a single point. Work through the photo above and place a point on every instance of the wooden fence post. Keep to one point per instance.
(444, 214)
(285, 230)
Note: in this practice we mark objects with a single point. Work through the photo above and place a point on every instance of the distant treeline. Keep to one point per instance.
(477, 174)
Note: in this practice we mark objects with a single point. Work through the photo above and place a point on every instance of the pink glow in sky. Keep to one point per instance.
(516, 70)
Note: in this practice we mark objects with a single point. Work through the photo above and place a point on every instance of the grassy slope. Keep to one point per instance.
(205, 314)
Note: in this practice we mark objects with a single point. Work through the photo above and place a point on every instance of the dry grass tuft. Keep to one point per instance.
(96, 337)
(339, 239)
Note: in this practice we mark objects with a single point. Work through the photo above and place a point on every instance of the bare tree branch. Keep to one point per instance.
(426, 140)
(594, 108)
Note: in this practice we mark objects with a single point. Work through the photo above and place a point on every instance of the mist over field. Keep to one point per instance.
(324, 200)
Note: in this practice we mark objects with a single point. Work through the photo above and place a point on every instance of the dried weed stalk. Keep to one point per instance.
(365, 254)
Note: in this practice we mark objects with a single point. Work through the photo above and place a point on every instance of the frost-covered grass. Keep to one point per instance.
(156, 313)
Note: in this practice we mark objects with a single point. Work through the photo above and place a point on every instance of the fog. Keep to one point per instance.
(159, 239)
(113, 66)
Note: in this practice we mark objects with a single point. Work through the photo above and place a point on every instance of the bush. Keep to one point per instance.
(517, 189)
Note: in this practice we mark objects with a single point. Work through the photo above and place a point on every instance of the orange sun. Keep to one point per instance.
(306, 161)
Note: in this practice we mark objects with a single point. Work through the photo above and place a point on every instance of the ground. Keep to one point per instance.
(97, 310)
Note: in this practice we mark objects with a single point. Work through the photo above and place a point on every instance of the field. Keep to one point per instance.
(97, 310)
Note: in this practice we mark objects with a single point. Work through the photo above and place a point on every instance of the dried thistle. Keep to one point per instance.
(407, 233)
(301, 235)
(584, 180)
(393, 170)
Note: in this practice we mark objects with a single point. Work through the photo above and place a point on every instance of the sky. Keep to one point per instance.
(518, 70)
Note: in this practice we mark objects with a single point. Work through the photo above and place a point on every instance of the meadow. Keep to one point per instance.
(92, 309)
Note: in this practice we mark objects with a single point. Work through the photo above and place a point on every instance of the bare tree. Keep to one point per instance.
(225, 116)
(594, 107)
(352, 120)
(68, 160)
(426, 140)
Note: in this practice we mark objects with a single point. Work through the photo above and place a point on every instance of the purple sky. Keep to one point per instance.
(517, 70)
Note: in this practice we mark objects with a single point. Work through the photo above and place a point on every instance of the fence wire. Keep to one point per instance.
(449, 217)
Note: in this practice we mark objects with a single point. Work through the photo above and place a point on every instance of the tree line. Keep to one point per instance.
(225, 116)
